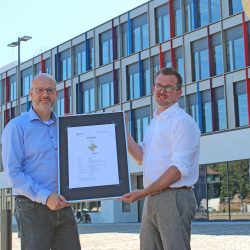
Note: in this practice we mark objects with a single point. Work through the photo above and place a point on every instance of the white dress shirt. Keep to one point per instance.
(172, 139)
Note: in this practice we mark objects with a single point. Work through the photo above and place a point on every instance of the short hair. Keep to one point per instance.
(171, 71)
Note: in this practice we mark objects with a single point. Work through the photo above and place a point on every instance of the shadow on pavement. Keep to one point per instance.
(198, 228)
(221, 229)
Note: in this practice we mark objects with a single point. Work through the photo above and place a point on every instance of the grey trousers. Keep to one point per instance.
(166, 220)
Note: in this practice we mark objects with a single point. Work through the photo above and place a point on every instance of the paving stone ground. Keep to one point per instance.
(125, 236)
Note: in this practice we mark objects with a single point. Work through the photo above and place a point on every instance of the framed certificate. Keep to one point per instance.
(93, 161)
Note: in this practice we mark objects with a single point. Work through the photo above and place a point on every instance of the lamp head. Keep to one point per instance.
(25, 38)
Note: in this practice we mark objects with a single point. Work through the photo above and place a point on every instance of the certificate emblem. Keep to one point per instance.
(92, 147)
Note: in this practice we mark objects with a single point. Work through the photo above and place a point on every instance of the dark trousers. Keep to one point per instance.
(43, 229)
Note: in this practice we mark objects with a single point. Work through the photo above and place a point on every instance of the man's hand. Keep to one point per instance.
(56, 201)
(133, 196)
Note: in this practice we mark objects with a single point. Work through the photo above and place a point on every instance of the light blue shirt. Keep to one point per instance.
(29, 153)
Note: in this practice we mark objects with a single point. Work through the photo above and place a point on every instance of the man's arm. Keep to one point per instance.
(186, 143)
(168, 178)
(13, 157)
(134, 149)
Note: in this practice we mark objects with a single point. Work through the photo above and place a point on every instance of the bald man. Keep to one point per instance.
(29, 151)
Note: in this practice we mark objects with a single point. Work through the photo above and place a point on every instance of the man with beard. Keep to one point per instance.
(29, 151)
(169, 155)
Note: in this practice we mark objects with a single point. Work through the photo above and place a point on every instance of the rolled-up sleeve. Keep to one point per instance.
(185, 145)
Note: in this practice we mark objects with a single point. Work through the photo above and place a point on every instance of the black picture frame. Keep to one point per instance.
(96, 192)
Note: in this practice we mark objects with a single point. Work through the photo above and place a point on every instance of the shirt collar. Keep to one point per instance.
(33, 115)
(168, 112)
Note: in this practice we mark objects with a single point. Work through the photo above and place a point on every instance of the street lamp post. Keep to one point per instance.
(18, 78)
(6, 216)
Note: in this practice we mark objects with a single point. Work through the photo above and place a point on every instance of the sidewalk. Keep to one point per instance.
(125, 236)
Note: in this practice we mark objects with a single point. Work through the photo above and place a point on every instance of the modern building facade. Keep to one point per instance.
(112, 67)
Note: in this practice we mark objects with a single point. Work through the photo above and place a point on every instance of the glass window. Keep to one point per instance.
(69, 100)
(146, 77)
(142, 119)
(117, 86)
(65, 65)
(217, 194)
(200, 191)
(38, 69)
(83, 61)
(235, 7)
(13, 93)
(2, 83)
(116, 50)
(88, 89)
(26, 79)
(105, 90)
(208, 12)
(192, 106)
(240, 102)
(156, 65)
(206, 111)
(124, 38)
(133, 81)
(95, 206)
(1, 92)
(239, 189)
(167, 59)
(47, 65)
(178, 18)
(90, 56)
(23, 108)
(80, 59)
(181, 102)
(140, 33)
(92, 206)
(106, 47)
(126, 207)
(235, 49)
(179, 62)
(220, 109)
(217, 52)
(162, 23)
(203, 12)
(214, 10)
(6, 116)
(13, 112)
(189, 15)
(60, 103)
(200, 57)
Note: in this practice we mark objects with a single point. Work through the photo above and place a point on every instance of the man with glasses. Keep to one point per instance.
(169, 155)
(29, 151)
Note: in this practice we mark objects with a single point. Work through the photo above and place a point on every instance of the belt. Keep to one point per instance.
(172, 188)
(22, 197)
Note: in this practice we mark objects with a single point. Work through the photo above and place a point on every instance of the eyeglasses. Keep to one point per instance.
(40, 91)
(167, 88)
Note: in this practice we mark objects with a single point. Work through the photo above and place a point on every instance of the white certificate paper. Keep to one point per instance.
(92, 155)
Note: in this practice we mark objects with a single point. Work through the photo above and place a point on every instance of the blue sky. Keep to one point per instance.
(52, 22)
